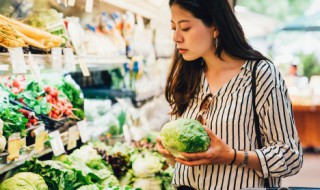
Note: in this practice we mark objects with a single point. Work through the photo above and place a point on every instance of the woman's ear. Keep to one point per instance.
(215, 32)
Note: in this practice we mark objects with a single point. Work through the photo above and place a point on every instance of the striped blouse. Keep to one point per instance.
(231, 118)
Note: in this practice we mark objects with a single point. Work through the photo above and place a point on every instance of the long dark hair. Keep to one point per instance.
(184, 76)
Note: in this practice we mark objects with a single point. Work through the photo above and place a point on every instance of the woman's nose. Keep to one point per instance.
(177, 37)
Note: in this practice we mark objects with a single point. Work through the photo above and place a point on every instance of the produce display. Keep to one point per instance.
(24, 180)
(49, 114)
(184, 135)
(46, 100)
(29, 35)
(106, 167)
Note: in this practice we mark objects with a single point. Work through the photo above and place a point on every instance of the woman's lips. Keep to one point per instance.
(182, 51)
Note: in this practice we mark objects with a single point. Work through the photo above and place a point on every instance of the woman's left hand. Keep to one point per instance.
(218, 153)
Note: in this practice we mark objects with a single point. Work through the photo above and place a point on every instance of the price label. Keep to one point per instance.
(4, 97)
(56, 143)
(14, 147)
(72, 137)
(40, 139)
(35, 69)
(89, 6)
(71, 3)
(56, 59)
(84, 67)
(70, 62)
(83, 129)
(4, 67)
(17, 60)
(23, 143)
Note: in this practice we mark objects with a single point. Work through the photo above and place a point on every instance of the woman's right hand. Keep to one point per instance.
(162, 150)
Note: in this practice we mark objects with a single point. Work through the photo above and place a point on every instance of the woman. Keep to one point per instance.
(211, 80)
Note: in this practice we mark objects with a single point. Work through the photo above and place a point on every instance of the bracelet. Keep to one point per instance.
(234, 157)
(246, 159)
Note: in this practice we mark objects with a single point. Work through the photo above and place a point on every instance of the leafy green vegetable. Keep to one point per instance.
(89, 187)
(13, 120)
(184, 135)
(146, 165)
(74, 95)
(30, 95)
(26, 181)
(58, 175)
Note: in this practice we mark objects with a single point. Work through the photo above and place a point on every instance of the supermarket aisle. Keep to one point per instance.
(309, 175)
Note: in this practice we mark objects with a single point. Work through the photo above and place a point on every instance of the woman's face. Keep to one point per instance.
(192, 37)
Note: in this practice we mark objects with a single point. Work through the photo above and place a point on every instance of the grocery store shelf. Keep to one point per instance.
(44, 60)
(137, 100)
(29, 154)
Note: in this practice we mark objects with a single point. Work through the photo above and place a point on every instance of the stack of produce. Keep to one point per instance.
(14, 33)
(24, 180)
(84, 169)
(3, 141)
(138, 167)
(46, 100)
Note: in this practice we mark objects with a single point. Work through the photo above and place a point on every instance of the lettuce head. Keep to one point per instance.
(184, 135)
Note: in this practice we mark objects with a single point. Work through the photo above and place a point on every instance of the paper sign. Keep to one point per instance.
(84, 67)
(4, 97)
(40, 139)
(72, 137)
(17, 60)
(35, 69)
(71, 3)
(89, 6)
(70, 62)
(83, 129)
(23, 143)
(56, 59)
(56, 143)
(4, 67)
(14, 146)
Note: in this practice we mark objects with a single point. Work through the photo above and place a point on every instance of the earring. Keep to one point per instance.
(216, 42)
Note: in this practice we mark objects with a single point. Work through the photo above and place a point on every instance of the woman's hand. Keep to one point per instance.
(162, 150)
(218, 153)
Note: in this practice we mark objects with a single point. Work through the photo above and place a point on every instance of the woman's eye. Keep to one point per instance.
(173, 29)
(185, 29)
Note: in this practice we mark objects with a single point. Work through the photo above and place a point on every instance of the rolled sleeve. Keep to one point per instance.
(281, 155)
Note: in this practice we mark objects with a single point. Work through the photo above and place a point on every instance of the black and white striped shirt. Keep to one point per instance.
(231, 118)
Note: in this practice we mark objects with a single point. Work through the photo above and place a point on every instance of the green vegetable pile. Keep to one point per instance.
(25, 181)
(184, 135)
(13, 121)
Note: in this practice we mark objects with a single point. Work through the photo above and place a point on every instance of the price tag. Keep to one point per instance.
(83, 129)
(65, 2)
(56, 143)
(56, 59)
(35, 69)
(71, 3)
(40, 139)
(4, 97)
(84, 68)
(89, 6)
(14, 147)
(4, 67)
(23, 143)
(17, 60)
(70, 64)
(72, 137)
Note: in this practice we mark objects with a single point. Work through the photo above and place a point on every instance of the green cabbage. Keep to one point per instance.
(26, 181)
(184, 135)
(146, 165)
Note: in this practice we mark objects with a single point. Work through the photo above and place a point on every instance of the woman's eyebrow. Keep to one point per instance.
(181, 21)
